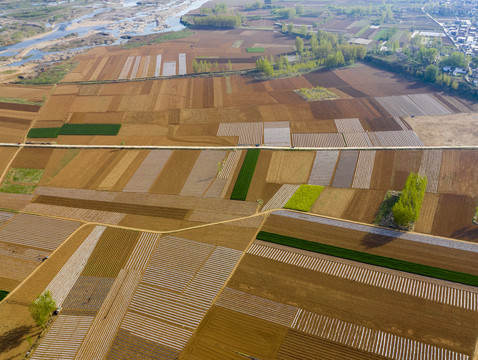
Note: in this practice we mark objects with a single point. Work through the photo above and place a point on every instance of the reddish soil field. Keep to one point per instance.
(382, 170)
(459, 172)
(32, 158)
(404, 162)
(343, 108)
(452, 259)
(380, 124)
(364, 205)
(376, 82)
(453, 217)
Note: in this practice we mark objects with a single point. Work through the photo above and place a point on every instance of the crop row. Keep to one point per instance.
(75, 129)
(245, 175)
(371, 259)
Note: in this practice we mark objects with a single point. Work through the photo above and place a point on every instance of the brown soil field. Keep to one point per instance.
(29, 93)
(427, 213)
(344, 108)
(6, 154)
(14, 201)
(404, 162)
(85, 169)
(260, 188)
(459, 173)
(31, 158)
(19, 107)
(454, 216)
(380, 124)
(432, 255)
(372, 307)
(320, 126)
(216, 338)
(446, 129)
(290, 167)
(333, 202)
(155, 223)
(56, 107)
(230, 235)
(376, 82)
(17, 322)
(111, 252)
(364, 205)
(175, 173)
(297, 345)
(382, 170)
(145, 210)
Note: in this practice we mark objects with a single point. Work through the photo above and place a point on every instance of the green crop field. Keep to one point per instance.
(255, 49)
(3, 294)
(43, 133)
(371, 259)
(304, 197)
(90, 129)
(245, 175)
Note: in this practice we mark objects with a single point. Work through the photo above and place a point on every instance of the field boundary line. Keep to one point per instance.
(39, 267)
(237, 147)
(271, 211)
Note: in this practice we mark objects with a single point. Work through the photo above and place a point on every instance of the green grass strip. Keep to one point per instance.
(90, 129)
(241, 187)
(304, 197)
(43, 133)
(371, 259)
(255, 49)
(3, 294)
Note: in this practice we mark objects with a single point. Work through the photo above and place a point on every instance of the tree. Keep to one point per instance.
(407, 209)
(299, 44)
(314, 44)
(431, 73)
(42, 308)
(303, 30)
(290, 28)
(454, 85)
(299, 9)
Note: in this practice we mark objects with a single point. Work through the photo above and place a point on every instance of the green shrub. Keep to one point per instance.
(407, 208)
(304, 197)
(42, 308)
(3, 294)
(90, 129)
(371, 259)
(255, 49)
(43, 133)
(386, 206)
(241, 187)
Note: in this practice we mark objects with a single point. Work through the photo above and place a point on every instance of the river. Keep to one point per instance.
(59, 30)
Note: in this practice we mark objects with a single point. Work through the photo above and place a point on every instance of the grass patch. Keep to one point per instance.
(51, 75)
(8, 210)
(90, 129)
(304, 197)
(70, 155)
(26, 176)
(19, 101)
(43, 133)
(362, 30)
(255, 49)
(385, 210)
(3, 294)
(475, 218)
(136, 42)
(316, 93)
(385, 34)
(22, 181)
(241, 187)
(371, 259)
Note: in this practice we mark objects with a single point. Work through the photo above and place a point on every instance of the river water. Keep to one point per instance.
(60, 31)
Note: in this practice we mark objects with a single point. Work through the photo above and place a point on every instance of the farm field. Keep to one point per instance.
(285, 302)
(231, 110)
(166, 190)
(264, 252)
